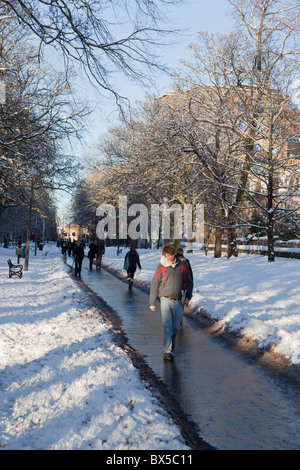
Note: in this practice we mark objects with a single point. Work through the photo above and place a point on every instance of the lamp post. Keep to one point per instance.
(33, 173)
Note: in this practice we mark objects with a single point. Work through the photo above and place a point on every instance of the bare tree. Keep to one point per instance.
(234, 83)
(38, 113)
(272, 27)
(234, 100)
(101, 36)
(212, 131)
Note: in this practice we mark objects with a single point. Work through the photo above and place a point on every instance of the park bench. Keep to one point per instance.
(14, 269)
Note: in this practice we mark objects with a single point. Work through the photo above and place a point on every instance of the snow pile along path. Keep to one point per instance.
(64, 384)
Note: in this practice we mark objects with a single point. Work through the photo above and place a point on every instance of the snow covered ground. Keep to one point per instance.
(247, 293)
(64, 384)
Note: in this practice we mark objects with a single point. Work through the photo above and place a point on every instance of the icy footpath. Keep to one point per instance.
(247, 294)
(64, 384)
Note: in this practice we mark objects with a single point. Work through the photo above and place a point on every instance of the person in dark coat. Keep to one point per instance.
(92, 253)
(131, 261)
(69, 247)
(64, 247)
(185, 261)
(100, 250)
(79, 255)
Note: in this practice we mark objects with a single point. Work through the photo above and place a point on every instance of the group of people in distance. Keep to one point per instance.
(76, 249)
(96, 250)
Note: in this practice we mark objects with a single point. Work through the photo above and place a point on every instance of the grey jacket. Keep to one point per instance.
(170, 280)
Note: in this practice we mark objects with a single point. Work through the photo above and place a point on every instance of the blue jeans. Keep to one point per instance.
(171, 313)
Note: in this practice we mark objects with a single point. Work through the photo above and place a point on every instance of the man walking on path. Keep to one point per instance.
(100, 250)
(92, 253)
(79, 255)
(173, 285)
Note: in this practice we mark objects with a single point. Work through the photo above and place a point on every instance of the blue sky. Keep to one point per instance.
(193, 16)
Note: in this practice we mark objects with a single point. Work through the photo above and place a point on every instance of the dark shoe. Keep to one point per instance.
(167, 357)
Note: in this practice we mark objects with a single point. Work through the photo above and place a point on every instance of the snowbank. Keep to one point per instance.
(64, 384)
(247, 293)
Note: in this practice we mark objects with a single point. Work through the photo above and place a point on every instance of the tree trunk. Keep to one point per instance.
(271, 253)
(231, 243)
(270, 228)
(231, 231)
(219, 231)
(207, 240)
(231, 236)
(218, 242)
(28, 230)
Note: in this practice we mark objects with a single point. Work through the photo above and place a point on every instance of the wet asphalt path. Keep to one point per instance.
(235, 404)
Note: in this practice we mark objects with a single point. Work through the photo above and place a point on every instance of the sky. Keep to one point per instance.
(193, 16)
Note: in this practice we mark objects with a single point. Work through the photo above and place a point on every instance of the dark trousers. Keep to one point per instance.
(131, 273)
(78, 265)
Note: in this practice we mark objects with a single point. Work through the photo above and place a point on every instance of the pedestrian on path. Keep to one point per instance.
(92, 253)
(79, 255)
(64, 247)
(69, 247)
(131, 261)
(100, 250)
(171, 280)
(184, 260)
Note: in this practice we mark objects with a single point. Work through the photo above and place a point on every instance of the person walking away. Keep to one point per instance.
(79, 255)
(69, 247)
(184, 260)
(64, 247)
(92, 253)
(100, 250)
(171, 278)
(131, 261)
